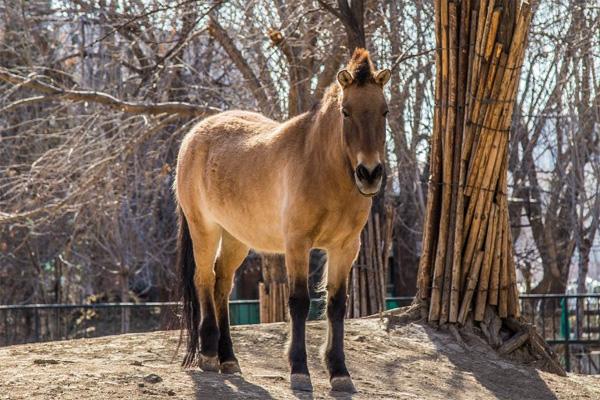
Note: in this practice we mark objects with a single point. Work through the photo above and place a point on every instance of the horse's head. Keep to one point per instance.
(363, 109)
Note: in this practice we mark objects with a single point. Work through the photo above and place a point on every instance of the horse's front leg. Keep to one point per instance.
(338, 266)
(296, 260)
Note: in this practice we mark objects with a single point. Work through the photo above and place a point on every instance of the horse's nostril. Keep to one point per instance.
(362, 173)
(377, 172)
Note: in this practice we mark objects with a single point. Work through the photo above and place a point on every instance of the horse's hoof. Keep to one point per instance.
(230, 367)
(207, 363)
(342, 384)
(301, 382)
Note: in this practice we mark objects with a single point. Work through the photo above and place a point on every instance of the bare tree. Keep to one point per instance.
(554, 155)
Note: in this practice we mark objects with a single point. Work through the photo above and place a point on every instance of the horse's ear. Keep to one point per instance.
(382, 77)
(344, 78)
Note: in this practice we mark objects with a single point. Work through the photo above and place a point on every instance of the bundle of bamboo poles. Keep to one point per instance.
(467, 260)
(273, 302)
(273, 291)
(366, 283)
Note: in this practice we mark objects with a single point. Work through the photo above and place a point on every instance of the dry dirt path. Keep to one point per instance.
(406, 362)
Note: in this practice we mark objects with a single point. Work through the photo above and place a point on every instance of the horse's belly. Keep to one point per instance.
(257, 227)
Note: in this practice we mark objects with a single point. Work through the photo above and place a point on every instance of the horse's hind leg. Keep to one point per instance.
(205, 239)
(338, 266)
(231, 256)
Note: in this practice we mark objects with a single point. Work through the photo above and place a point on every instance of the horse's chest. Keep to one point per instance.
(340, 225)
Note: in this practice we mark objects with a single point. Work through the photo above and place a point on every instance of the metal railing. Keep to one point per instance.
(570, 323)
(45, 322)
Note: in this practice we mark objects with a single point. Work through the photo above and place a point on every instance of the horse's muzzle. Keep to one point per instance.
(368, 181)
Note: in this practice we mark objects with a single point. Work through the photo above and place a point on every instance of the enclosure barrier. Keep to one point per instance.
(570, 323)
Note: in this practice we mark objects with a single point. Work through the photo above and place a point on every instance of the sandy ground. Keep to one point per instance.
(411, 361)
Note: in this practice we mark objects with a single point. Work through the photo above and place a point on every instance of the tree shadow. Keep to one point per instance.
(474, 363)
(213, 385)
(503, 378)
(455, 382)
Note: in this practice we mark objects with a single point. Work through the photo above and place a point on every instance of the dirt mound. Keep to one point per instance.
(410, 361)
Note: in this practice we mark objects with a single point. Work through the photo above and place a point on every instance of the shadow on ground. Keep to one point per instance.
(501, 377)
(212, 385)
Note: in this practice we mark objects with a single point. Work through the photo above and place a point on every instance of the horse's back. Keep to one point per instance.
(235, 123)
(220, 135)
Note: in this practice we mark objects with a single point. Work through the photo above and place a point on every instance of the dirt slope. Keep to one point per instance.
(405, 362)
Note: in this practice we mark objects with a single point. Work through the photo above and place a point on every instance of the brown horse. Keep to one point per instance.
(245, 181)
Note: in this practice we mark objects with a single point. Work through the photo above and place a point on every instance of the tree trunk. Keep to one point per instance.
(124, 286)
(584, 247)
(406, 243)
(467, 272)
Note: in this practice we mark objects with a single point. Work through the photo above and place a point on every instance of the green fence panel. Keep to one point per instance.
(317, 309)
(244, 312)
(391, 303)
(395, 302)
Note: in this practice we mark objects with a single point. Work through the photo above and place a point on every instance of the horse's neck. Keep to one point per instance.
(325, 144)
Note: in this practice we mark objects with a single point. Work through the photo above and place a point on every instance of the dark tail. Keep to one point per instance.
(191, 306)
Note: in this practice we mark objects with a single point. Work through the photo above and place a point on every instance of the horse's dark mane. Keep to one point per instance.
(363, 71)
(361, 67)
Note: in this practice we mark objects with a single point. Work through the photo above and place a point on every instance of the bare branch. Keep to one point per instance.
(220, 34)
(172, 107)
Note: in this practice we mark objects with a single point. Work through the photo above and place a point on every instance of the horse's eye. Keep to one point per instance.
(345, 112)
(385, 113)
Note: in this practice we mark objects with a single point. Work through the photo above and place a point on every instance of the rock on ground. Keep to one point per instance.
(411, 361)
